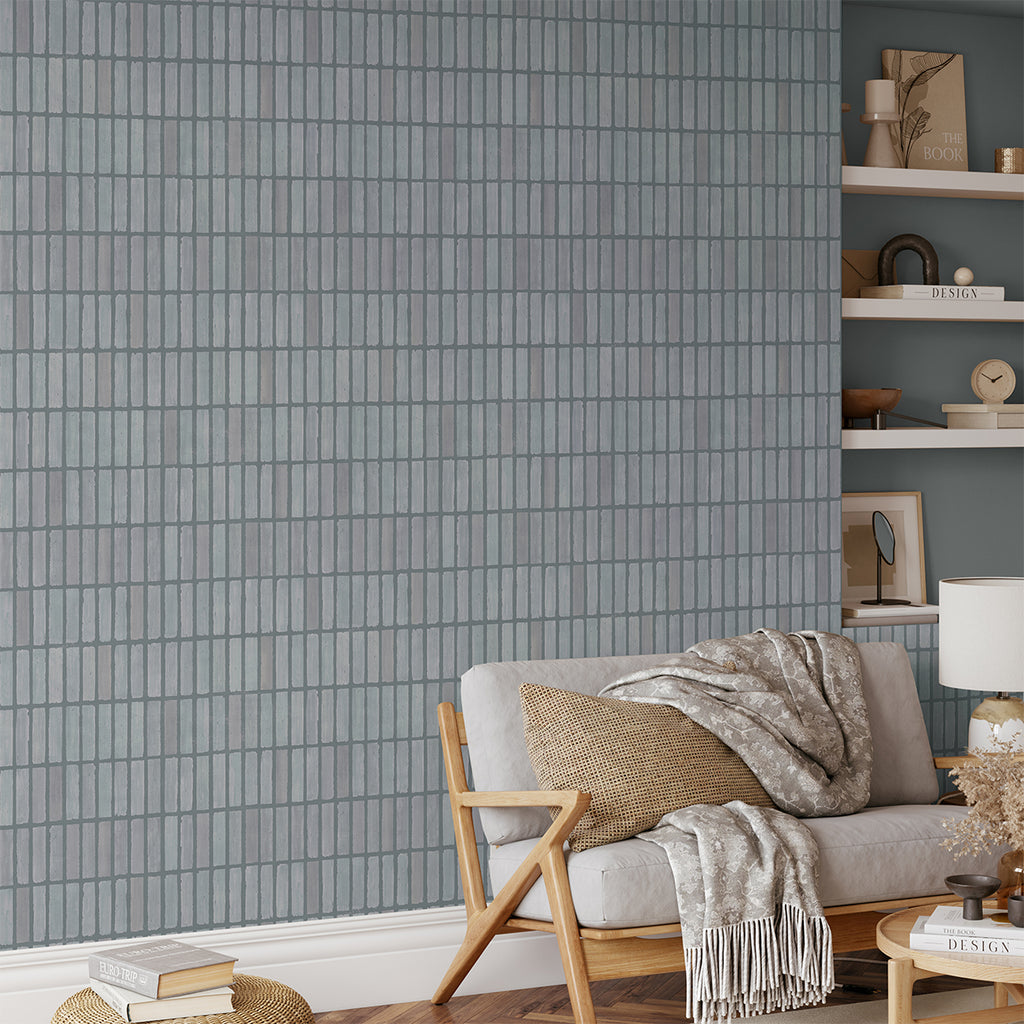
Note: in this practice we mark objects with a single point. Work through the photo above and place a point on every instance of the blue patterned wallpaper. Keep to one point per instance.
(345, 345)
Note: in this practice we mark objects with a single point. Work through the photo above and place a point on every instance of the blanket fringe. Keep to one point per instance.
(757, 967)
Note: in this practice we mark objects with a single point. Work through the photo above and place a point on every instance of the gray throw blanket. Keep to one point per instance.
(791, 705)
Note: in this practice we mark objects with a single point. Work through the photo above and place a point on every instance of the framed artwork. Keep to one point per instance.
(905, 577)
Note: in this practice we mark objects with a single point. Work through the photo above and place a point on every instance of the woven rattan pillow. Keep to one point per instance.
(637, 761)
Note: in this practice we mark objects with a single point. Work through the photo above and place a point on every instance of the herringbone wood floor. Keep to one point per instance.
(654, 1000)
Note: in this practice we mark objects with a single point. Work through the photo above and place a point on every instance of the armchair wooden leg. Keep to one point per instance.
(480, 929)
(485, 924)
(570, 945)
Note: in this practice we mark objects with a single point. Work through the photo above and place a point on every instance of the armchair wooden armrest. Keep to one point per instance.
(484, 920)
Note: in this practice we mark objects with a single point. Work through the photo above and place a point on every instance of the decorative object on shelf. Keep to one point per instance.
(860, 270)
(876, 405)
(1008, 161)
(880, 113)
(993, 381)
(932, 129)
(915, 243)
(963, 276)
(972, 889)
(981, 647)
(885, 542)
(846, 108)
(903, 578)
(984, 416)
(869, 403)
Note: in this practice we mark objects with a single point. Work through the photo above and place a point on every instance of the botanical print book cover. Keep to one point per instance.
(932, 131)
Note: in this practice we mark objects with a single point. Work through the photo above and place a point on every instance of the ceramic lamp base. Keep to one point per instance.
(997, 720)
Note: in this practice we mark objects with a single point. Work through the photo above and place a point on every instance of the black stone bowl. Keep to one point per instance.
(972, 889)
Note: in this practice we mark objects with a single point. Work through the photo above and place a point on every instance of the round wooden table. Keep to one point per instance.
(907, 965)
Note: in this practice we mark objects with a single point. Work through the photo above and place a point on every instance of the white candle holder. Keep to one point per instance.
(880, 151)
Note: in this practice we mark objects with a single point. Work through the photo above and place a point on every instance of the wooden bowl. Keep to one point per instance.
(860, 403)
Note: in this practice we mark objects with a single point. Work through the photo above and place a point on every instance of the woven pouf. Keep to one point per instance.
(256, 1001)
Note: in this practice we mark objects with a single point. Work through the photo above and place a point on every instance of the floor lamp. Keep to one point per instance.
(981, 647)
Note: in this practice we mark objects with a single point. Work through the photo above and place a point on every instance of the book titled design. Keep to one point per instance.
(991, 293)
(134, 1008)
(1002, 944)
(163, 968)
(932, 131)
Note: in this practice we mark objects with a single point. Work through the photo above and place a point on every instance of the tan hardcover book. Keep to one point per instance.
(932, 131)
(163, 968)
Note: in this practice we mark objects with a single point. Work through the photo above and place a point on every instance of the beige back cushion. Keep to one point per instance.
(902, 772)
(637, 761)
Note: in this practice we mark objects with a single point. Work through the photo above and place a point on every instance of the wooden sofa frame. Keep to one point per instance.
(588, 954)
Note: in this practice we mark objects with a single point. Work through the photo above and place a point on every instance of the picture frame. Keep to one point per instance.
(905, 578)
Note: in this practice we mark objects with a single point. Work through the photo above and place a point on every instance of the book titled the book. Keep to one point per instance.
(932, 131)
(949, 920)
(137, 1009)
(162, 968)
(990, 293)
(1004, 943)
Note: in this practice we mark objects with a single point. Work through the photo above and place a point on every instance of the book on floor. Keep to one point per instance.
(162, 968)
(1002, 944)
(135, 1008)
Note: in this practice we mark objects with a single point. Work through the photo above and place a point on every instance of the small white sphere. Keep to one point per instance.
(963, 276)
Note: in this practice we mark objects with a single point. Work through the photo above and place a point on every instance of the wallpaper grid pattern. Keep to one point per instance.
(342, 347)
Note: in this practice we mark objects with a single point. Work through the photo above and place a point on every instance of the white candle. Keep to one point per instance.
(880, 96)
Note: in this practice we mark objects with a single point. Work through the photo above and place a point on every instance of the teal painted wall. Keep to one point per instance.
(972, 499)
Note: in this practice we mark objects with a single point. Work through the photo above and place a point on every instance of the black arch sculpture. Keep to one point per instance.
(924, 249)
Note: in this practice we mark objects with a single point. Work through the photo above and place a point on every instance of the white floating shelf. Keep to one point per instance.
(933, 309)
(930, 437)
(881, 181)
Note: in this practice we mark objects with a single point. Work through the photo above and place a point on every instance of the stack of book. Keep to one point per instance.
(946, 931)
(161, 980)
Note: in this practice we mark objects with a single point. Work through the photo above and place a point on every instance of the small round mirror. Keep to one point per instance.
(885, 539)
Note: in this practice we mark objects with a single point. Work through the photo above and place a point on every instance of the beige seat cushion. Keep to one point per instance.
(880, 853)
(638, 761)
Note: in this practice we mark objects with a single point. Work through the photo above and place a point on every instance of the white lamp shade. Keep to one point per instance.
(981, 633)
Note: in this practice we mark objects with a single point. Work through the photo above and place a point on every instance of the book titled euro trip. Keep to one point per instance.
(138, 1009)
(162, 968)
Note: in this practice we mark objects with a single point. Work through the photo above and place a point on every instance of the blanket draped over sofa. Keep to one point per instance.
(791, 706)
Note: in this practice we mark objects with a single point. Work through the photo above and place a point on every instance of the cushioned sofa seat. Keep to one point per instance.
(881, 853)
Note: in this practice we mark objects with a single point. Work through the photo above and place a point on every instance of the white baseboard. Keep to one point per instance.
(335, 964)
